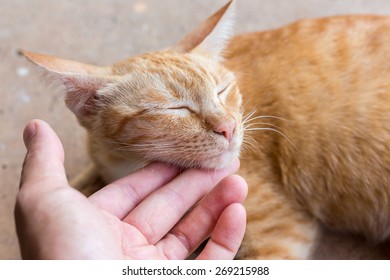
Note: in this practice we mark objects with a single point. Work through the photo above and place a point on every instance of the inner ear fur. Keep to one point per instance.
(212, 35)
(82, 81)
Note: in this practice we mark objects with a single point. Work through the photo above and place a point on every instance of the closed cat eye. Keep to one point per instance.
(223, 90)
(182, 108)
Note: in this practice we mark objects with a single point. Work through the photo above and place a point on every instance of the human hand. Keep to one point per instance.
(141, 216)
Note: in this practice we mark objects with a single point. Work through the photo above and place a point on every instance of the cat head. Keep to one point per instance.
(178, 105)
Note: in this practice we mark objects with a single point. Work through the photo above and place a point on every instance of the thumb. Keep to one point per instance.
(44, 162)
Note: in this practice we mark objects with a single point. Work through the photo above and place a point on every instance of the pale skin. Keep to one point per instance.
(140, 216)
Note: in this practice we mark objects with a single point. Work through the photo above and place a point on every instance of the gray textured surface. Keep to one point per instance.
(104, 32)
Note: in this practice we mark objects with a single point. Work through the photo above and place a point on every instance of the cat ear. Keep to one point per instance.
(81, 81)
(212, 35)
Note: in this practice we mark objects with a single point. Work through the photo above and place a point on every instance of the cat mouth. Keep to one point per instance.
(218, 160)
(216, 157)
(203, 161)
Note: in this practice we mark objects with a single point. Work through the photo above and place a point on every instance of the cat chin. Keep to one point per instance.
(221, 161)
(214, 162)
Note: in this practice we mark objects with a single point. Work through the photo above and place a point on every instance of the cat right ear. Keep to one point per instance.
(212, 35)
(82, 81)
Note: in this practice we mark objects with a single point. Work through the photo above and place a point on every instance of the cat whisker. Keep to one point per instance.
(246, 74)
(274, 130)
(249, 115)
(160, 148)
(252, 145)
(262, 123)
(250, 141)
(264, 117)
(130, 145)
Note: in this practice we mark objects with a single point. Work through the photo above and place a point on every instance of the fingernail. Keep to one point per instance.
(29, 133)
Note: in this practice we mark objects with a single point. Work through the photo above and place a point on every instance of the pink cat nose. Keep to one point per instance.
(225, 128)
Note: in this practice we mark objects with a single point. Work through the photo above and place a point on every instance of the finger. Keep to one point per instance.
(42, 171)
(194, 228)
(44, 161)
(161, 210)
(121, 196)
(227, 235)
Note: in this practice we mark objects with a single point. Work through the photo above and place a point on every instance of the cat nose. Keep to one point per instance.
(225, 128)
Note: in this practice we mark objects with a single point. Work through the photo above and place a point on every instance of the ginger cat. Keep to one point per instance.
(313, 121)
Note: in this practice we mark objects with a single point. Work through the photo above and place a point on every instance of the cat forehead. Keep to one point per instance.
(168, 66)
(175, 75)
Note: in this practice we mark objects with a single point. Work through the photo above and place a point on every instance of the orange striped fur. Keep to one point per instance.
(313, 99)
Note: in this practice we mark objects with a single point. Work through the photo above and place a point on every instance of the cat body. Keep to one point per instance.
(308, 102)
(326, 82)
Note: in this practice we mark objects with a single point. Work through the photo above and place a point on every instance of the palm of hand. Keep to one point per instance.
(142, 216)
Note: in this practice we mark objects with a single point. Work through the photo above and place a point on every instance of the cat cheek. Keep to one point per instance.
(233, 100)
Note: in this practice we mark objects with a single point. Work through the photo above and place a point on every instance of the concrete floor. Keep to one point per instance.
(106, 31)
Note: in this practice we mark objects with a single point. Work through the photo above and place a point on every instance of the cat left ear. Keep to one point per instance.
(212, 35)
(82, 81)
